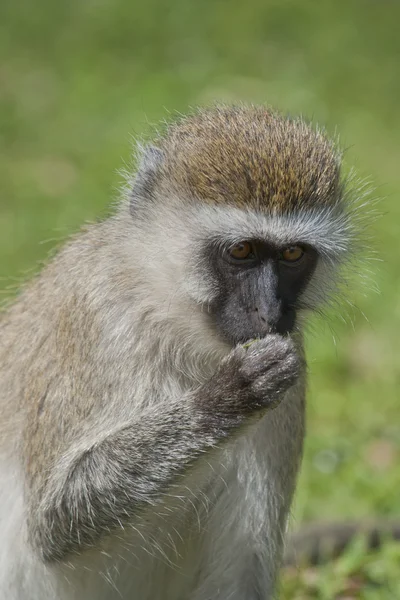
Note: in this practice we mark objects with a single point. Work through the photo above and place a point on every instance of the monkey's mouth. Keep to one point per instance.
(242, 330)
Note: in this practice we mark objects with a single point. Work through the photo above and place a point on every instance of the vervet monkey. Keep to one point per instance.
(153, 375)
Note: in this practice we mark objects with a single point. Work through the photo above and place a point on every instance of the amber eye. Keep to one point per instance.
(241, 251)
(292, 254)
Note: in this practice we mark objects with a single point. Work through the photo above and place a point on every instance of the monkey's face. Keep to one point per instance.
(259, 287)
(247, 272)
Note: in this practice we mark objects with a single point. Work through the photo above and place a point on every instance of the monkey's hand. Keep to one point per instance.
(254, 377)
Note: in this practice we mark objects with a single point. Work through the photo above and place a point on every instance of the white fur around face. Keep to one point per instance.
(184, 228)
(327, 230)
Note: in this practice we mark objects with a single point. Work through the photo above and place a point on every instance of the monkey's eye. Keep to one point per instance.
(241, 251)
(292, 254)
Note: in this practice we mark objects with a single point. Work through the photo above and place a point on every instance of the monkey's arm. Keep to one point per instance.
(103, 481)
(99, 485)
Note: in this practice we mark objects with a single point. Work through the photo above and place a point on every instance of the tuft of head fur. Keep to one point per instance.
(249, 157)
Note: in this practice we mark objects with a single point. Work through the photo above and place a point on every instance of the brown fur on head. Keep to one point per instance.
(249, 157)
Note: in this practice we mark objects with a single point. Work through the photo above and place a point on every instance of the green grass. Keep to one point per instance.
(356, 574)
(78, 78)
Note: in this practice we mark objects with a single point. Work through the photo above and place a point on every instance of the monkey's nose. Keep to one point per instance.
(273, 321)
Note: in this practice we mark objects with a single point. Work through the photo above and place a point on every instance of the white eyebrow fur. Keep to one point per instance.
(328, 230)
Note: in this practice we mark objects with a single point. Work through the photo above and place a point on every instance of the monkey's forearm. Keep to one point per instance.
(105, 484)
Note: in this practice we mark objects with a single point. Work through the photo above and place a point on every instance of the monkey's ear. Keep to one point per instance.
(150, 159)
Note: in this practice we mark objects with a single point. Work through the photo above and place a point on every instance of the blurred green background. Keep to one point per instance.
(79, 78)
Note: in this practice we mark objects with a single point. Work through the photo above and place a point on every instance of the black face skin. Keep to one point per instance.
(259, 294)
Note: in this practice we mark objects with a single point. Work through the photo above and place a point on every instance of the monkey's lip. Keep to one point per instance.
(247, 341)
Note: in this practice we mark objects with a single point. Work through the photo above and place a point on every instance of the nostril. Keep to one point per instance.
(262, 319)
